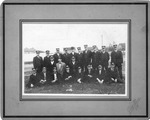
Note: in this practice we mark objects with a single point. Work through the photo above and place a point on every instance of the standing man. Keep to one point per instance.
(38, 62)
(51, 67)
(47, 64)
(104, 58)
(117, 59)
(80, 58)
(66, 57)
(57, 55)
(95, 58)
(73, 54)
(86, 57)
(60, 66)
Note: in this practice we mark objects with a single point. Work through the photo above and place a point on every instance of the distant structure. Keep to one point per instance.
(31, 50)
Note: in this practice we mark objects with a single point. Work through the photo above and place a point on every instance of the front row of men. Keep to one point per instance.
(67, 75)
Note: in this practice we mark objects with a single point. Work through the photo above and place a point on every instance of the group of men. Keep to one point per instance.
(86, 66)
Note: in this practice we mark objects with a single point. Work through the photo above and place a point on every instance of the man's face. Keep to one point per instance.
(100, 67)
(38, 53)
(67, 69)
(85, 47)
(79, 50)
(52, 59)
(112, 66)
(79, 70)
(44, 70)
(59, 60)
(66, 51)
(89, 68)
(115, 47)
(57, 50)
(54, 70)
(73, 60)
(47, 54)
(33, 71)
(103, 48)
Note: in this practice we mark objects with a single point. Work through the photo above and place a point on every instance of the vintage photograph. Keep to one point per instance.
(74, 58)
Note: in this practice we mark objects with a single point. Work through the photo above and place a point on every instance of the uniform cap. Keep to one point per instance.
(79, 48)
(47, 51)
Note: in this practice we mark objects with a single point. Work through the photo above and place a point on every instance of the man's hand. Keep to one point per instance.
(115, 80)
(54, 81)
(70, 76)
(112, 79)
(79, 80)
(90, 75)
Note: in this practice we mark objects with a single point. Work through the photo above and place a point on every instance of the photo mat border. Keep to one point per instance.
(83, 21)
(81, 116)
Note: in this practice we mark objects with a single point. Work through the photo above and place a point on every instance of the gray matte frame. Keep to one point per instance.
(134, 97)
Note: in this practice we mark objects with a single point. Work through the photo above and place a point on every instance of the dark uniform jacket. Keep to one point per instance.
(79, 76)
(87, 57)
(51, 66)
(73, 55)
(73, 68)
(100, 75)
(112, 74)
(66, 75)
(56, 56)
(80, 59)
(66, 58)
(38, 63)
(95, 59)
(104, 58)
(47, 63)
(117, 58)
(35, 79)
(89, 73)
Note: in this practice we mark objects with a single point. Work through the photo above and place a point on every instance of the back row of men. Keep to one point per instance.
(80, 59)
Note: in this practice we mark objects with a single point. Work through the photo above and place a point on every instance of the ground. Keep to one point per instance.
(83, 88)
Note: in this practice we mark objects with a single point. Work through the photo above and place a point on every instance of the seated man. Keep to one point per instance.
(73, 66)
(43, 75)
(79, 76)
(35, 79)
(113, 74)
(54, 75)
(60, 66)
(100, 74)
(68, 76)
(89, 74)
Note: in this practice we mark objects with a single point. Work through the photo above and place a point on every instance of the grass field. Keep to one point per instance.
(83, 88)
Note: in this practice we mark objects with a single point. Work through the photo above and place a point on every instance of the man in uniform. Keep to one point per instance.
(86, 57)
(38, 62)
(66, 57)
(73, 54)
(57, 55)
(80, 58)
(117, 59)
(73, 66)
(104, 58)
(95, 58)
(113, 75)
(47, 63)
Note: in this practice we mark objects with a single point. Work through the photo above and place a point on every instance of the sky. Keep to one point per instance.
(51, 36)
